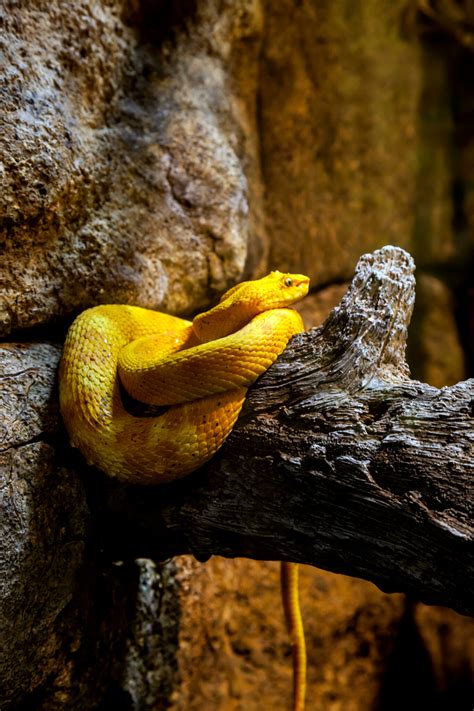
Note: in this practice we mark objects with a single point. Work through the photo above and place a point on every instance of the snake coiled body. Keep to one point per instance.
(199, 372)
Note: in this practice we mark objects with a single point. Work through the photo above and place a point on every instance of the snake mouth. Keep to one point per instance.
(300, 282)
(300, 279)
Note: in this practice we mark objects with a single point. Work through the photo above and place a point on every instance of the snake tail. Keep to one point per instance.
(291, 604)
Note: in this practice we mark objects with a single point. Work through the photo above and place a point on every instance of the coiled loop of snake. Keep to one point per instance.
(200, 371)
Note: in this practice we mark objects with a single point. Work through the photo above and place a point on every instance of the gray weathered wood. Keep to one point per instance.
(338, 460)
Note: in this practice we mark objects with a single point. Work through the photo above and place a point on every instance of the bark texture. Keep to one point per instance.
(338, 459)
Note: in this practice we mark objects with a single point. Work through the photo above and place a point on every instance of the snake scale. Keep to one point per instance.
(198, 371)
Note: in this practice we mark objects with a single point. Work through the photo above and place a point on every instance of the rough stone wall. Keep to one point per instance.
(328, 106)
(154, 153)
(126, 152)
(350, 631)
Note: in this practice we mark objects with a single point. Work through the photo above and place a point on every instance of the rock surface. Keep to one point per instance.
(125, 158)
(328, 142)
(43, 521)
(435, 352)
(350, 627)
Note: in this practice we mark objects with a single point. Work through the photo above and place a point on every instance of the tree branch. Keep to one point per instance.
(338, 460)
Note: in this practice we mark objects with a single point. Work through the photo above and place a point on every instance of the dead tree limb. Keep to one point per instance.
(338, 460)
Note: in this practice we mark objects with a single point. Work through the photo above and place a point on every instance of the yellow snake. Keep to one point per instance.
(199, 371)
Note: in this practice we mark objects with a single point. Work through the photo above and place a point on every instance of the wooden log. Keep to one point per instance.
(338, 460)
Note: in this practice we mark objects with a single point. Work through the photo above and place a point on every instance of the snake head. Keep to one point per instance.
(245, 300)
(278, 290)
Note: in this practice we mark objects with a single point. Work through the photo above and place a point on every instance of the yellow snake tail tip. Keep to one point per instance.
(291, 605)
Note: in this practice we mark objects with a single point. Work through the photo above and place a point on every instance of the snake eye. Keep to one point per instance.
(288, 281)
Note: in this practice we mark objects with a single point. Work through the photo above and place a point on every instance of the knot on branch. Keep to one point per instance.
(364, 337)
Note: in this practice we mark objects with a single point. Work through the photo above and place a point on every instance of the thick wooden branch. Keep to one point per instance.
(338, 460)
